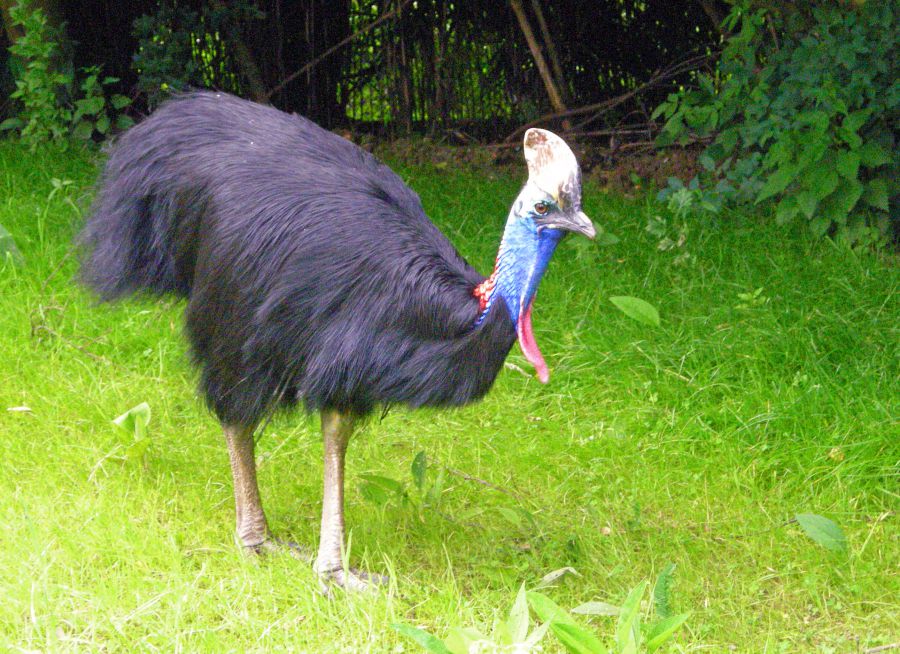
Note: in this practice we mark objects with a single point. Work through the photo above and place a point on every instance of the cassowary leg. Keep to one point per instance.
(252, 529)
(336, 431)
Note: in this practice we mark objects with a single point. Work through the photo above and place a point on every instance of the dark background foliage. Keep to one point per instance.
(432, 61)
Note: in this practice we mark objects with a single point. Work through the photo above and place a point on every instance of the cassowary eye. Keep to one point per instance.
(541, 208)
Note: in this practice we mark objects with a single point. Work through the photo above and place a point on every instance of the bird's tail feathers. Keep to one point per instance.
(141, 234)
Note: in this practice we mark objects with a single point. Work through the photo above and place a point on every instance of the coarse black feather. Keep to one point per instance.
(311, 270)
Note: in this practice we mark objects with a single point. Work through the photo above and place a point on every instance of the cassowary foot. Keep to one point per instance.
(351, 580)
(273, 545)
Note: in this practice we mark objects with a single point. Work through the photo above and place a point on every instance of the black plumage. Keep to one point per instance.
(313, 275)
(311, 269)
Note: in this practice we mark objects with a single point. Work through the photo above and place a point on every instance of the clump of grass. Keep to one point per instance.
(696, 442)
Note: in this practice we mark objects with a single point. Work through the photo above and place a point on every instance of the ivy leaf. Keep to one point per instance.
(823, 531)
(636, 308)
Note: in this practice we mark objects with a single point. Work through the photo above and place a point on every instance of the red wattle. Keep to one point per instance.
(529, 345)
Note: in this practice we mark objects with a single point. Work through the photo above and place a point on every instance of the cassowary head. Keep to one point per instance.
(548, 206)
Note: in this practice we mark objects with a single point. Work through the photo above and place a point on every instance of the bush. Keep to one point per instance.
(44, 87)
(806, 123)
(179, 48)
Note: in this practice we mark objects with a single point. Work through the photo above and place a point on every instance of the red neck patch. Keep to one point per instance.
(484, 290)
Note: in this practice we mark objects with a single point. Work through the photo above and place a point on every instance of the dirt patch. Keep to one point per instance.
(623, 171)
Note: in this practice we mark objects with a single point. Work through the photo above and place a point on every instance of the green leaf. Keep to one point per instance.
(807, 202)
(137, 450)
(500, 633)
(596, 608)
(433, 496)
(374, 493)
(871, 154)
(103, 124)
(848, 163)
(837, 206)
(11, 123)
(548, 610)
(135, 420)
(90, 106)
(777, 182)
(120, 101)
(553, 578)
(876, 194)
(423, 638)
(123, 122)
(819, 225)
(636, 308)
(661, 591)
(605, 238)
(388, 484)
(663, 630)
(517, 622)
(628, 631)
(822, 178)
(460, 639)
(823, 531)
(577, 640)
(83, 130)
(856, 119)
(419, 465)
(536, 636)
(786, 210)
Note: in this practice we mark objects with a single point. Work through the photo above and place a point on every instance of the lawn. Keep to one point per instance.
(694, 443)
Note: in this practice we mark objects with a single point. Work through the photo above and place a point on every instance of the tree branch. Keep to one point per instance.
(552, 91)
(599, 107)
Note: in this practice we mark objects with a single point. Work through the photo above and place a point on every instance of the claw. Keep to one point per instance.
(352, 580)
(277, 546)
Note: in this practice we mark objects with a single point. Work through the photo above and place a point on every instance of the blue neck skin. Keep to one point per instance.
(523, 257)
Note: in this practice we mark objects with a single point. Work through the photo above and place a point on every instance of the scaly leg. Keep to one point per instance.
(336, 431)
(252, 528)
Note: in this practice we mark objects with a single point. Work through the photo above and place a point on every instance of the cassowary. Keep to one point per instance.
(312, 275)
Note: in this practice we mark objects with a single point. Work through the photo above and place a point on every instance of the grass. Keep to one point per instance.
(693, 443)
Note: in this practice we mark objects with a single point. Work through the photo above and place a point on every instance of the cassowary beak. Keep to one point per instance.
(571, 221)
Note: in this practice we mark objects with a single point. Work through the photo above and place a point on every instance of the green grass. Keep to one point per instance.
(693, 443)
